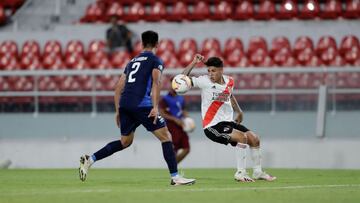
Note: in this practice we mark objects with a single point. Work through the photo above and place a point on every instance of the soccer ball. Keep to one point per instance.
(181, 84)
(189, 124)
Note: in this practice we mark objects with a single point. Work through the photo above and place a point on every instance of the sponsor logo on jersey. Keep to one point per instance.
(222, 97)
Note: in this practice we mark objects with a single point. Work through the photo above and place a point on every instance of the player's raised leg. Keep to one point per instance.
(258, 173)
(169, 155)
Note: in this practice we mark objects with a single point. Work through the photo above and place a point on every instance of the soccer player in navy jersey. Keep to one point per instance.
(136, 102)
(172, 108)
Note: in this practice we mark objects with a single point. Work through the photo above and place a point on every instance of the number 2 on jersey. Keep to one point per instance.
(135, 67)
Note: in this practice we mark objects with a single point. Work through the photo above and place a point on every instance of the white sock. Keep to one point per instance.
(256, 157)
(241, 157)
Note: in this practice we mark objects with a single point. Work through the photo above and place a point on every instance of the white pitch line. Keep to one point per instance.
(176, 189)
(246, 188)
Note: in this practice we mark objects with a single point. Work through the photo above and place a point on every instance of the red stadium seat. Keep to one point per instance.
(234, 57)
(265, 11)
(2, 15)
(186, 57)
(212, 53)
(304, 56)
(9, 47)
(257, 57)
(169, 59)
(30, 62)
(291, 62)
(115, 9)
(288, 9)
(166, 45)
(279, 43)
(201, 11)
(328, 55)
(232, 44)
(74, 46)
(223, 11)
(244, 11)
(73, 58)
(96, 46)
(94, 13)
(281, 56)
(352, 9)
(178, 12)
(136, 12)
(119, 59)
(309, 10)
(210, 44)
(256, 43)
(348, 42)
(324, 43)
(50, 59)
(9, 62)
(314, 62)
(52, 47)
(137, 48)
(331, 10)
(99, 59)
(186, 45)
(302, 43)
(352, 56)
(30, 47)
(157, 12)
(337, 61)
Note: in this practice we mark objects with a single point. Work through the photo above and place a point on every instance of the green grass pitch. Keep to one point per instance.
(152, 185)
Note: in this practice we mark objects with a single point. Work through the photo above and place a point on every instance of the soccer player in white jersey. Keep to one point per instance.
(217, 107)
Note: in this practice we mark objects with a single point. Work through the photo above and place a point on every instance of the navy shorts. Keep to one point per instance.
(130, 119)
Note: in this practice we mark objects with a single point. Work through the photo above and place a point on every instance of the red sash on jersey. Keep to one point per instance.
(215, 106)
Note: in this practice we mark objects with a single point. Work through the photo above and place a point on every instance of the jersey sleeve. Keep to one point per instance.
(126, 69)
(200, 82)
(158, 64)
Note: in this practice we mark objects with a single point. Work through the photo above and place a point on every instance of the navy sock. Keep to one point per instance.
(108, 150)
(169, 155)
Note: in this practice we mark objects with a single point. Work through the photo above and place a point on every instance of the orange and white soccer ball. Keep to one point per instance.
(189, 124)
(181, 84)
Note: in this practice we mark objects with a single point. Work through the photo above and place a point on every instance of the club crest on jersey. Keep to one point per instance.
(222, 97)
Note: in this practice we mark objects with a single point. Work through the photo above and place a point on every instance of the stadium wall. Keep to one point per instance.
(288, 140)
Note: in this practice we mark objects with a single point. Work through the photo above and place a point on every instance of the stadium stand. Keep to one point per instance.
(129, 11)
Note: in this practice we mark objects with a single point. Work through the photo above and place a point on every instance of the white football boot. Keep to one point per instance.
(262, 175)
(242, 176)
(84, 167)
(179, 180)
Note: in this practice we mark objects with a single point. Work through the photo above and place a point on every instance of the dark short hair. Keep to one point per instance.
(214, 61)
(149, 38)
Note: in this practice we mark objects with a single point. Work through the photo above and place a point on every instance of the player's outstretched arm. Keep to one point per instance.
(119, 87)
(237, 109)
(197, 59)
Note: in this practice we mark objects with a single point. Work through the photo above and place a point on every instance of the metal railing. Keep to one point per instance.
(93, 93)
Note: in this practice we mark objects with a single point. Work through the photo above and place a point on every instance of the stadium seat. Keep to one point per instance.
(281, 56)
(302, 43)
(186, 45)
(222, 11)
(178, 12)
(279, 43)
(30, 47)
(314, 61)
(265, 11)
(256, 43)
(52, 47)
(9, 62)
(30, 62)
(304, 56)
(136, 12)
(94, 13)
(347, 43)
(114, 9)
(324, 43)
(99, 58)
(2, 15)
(328, 55)
(352, 9)
(232, 44)
(244, 11)
(288, 9)
(74, 46)
(352, 56)
(73, 58)
(9, 47)
(210, 44)
(119, 59)
(234, 57)
(257, 57)
(95, 46)
(169, 59)
(309, 10)
(50, 59)
(166, 45)
(157, 12)
(338, 61)
(201, 11)
(185, 57)
(332, 9)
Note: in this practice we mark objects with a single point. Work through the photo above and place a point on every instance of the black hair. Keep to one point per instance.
(149, 38)
(214, 61)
